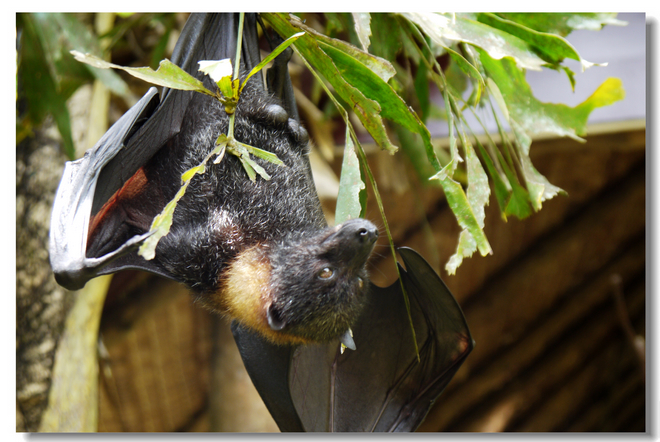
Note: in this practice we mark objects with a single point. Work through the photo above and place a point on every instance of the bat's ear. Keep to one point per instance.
(274, 320)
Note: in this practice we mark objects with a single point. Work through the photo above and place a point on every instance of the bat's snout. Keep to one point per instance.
(353, 240)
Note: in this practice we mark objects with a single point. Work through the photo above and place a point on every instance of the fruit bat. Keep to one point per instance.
(260, 251)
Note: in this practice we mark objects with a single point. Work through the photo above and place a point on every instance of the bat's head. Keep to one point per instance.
(318, 281)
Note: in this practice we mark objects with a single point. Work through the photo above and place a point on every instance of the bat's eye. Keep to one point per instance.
(326, 273)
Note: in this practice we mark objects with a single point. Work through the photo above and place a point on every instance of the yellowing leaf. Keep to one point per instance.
(607, 93)
(168, 74)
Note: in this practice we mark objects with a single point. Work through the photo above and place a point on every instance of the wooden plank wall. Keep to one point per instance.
(552, 349)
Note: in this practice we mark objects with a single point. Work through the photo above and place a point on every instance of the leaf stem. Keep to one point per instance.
(239, 43)
(237, 67)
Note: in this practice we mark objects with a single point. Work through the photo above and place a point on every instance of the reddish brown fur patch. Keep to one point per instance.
(133, 187)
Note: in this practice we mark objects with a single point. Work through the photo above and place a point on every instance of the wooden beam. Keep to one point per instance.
(555, 374)
(471, 387)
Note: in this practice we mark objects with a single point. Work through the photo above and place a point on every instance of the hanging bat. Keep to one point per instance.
(260, 251)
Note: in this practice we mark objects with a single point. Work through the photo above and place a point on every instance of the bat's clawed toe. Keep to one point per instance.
(299, 133)
(276, 114)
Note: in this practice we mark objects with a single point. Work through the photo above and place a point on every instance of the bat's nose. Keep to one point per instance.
(361, 229)
(367, 234)
(361, 235)
(353, 240)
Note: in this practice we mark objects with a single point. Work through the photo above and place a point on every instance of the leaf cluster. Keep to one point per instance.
(486, 56)
(380, 72)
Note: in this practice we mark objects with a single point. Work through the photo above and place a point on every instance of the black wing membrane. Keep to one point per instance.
(75, 195)
(381, 386)
(90, 182)
(268, 366)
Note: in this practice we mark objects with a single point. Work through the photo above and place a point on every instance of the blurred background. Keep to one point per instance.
(557, 311)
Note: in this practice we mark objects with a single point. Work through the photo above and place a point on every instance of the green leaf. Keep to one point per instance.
(372, 86)
(220, 148)
(40, 87)
(456, 79)
(474, 238)
(540, 189)
(251, 166)
(453, 148)
(609, 92)
(264, 155)
(470, 71)
(465, 248)
(412, 145)
(501, 187)
(168, 74)
(379, 66)
(225, 85)
(277, 51)
(518, 201)
(563, 23)
(161, 225)
(350, 185)
(421, 84)
(159, 51)
(386, 39)
(552, 48)
(571, 76)
(496, 95)
(59, 32)
(335, 23)
(478, 193)
(528, 116)
(450, 29)
(188, 174)
(391, 104)
(368, 111)
(536, 117)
